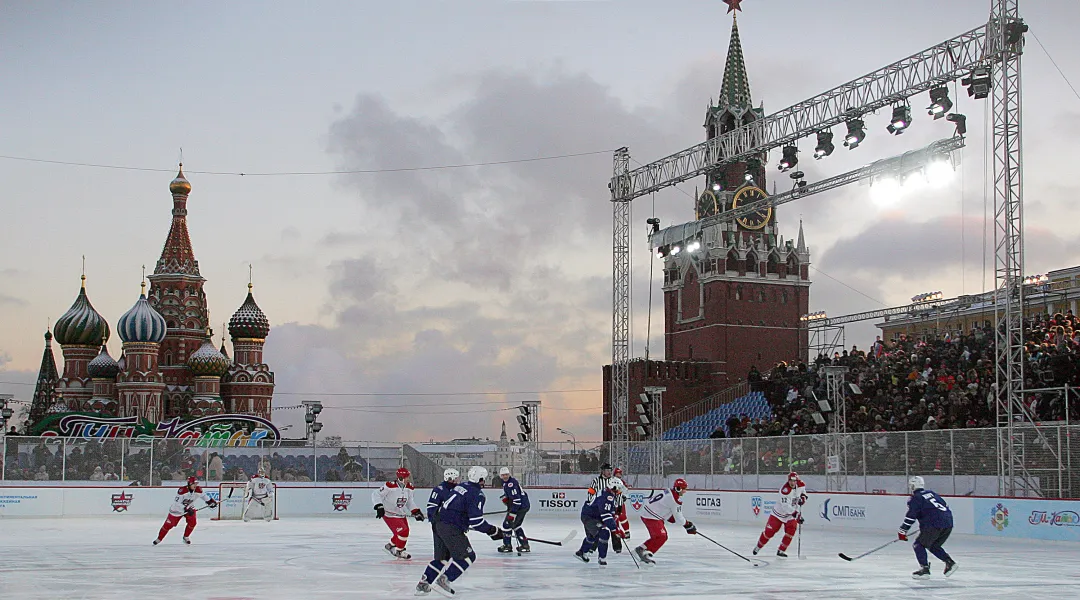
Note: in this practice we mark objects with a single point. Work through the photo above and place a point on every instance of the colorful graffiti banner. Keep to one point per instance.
(210, 431)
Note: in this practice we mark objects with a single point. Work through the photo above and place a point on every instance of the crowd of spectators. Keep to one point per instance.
(913, 384)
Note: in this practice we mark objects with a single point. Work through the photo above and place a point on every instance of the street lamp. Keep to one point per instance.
(312, 409)
(5, 414)
(573, 441)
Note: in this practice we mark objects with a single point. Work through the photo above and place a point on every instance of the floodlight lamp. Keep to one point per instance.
(643, 419)
(1014, 32)
(693, 246)
(790, 158)
(825, 145)
(960, 121)
(856, 133)
(644, 398)
(675, 250)
(901, 119)
(939, 171)
(978, 83)
(641, 431)
(716, 187)
(939, 102)
(316, 427)
(748, 176)
(6, 413)
(309, 418)
(885, 191)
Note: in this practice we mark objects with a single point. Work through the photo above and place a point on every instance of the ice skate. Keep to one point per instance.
(187, 540)
(950, 567)
(756, 548)
(581, 556)
(423, 588)
(156, 542)
(602, 562)
(779, 553)
(402, 554)
(922, 573)
(505, 548)
(391, 550)
(644, 555)
(523, 548)
(442, 585)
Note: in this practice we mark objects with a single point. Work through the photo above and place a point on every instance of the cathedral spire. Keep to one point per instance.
(177, 257)
(45, 390)
(735, 91)
(800, 247)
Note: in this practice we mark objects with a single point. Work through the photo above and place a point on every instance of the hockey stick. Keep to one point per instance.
(562, 542)
(757, 562)
(869, 552)
(801, 557)
(630, 551)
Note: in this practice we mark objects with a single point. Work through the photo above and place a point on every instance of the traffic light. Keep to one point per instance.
(523, 423)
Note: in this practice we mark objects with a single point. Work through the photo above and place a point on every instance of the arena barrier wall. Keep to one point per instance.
(994, 517)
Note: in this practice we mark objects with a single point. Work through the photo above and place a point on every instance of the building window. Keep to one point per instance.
(738, 292)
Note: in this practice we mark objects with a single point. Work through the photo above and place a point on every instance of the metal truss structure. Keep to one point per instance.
(836, 470)
(996, 46)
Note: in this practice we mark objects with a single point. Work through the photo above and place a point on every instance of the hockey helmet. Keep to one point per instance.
(451, 475)
(916, 483)
(679, 487)
(793, 476)
(192, 481)
(477, 474)
(617, 472)
(616, 485)
(403, 474)
(504, 473)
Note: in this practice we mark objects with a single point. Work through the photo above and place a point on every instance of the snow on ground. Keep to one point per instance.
(343, 558)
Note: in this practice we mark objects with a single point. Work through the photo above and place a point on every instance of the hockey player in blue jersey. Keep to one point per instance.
(935, 524)
(517, 504)
(598, 517)
(462, 510)
(440, 493)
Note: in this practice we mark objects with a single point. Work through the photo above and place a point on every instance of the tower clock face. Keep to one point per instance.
(757, 219)
(707, 204)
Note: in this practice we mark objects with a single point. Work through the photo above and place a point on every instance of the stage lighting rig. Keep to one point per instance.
(960, 121)
(825, 145)
(856, 133)
(939, 102)
(901, 119)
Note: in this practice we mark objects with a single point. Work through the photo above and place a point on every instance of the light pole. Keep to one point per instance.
(5, 414)
(311, 417)
(573, 442)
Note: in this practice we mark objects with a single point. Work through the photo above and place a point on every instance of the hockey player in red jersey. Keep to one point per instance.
(785, 513)
(660, 506)
(182, 507)
(394, 505)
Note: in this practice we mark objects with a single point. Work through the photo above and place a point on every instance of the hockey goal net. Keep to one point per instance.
(231, 501)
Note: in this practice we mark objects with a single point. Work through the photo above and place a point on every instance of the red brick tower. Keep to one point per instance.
(176, 292)
(737, 300)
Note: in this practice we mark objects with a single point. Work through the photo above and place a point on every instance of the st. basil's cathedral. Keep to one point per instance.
(168, 364)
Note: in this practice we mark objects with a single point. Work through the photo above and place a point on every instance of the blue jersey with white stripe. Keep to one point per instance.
(464, 509)
(516, 497)
(929, 509)
(439, 494)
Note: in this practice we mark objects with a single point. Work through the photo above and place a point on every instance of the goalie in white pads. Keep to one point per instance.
(259, 496)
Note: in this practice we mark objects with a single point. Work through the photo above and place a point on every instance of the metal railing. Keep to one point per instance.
(706, 404)
(954, 461)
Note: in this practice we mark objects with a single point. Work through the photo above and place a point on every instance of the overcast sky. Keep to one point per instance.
(484, 279)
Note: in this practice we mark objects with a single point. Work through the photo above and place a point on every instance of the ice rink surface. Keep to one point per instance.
(343, 558)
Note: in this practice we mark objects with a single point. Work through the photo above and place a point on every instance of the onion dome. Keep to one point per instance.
(249, 321)
(103, 366)
(180, 185)
(81, 324)
(142, 323)
(207, 360)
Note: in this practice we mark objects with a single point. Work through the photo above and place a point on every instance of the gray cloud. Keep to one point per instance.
(6, 300)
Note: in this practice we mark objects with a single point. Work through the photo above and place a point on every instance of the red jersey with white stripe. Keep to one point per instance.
(397, 500)
(663, 505)
(789, 501)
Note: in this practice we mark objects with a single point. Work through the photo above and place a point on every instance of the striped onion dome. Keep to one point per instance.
(249, 321)
(142, 323)
(103, 366)
(207, 360)
(81, 324)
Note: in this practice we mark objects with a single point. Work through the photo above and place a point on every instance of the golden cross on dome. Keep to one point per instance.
(733, 5)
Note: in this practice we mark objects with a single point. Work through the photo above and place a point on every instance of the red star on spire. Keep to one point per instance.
(733, 5)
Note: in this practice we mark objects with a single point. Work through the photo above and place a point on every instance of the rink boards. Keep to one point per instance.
(1002, 517)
